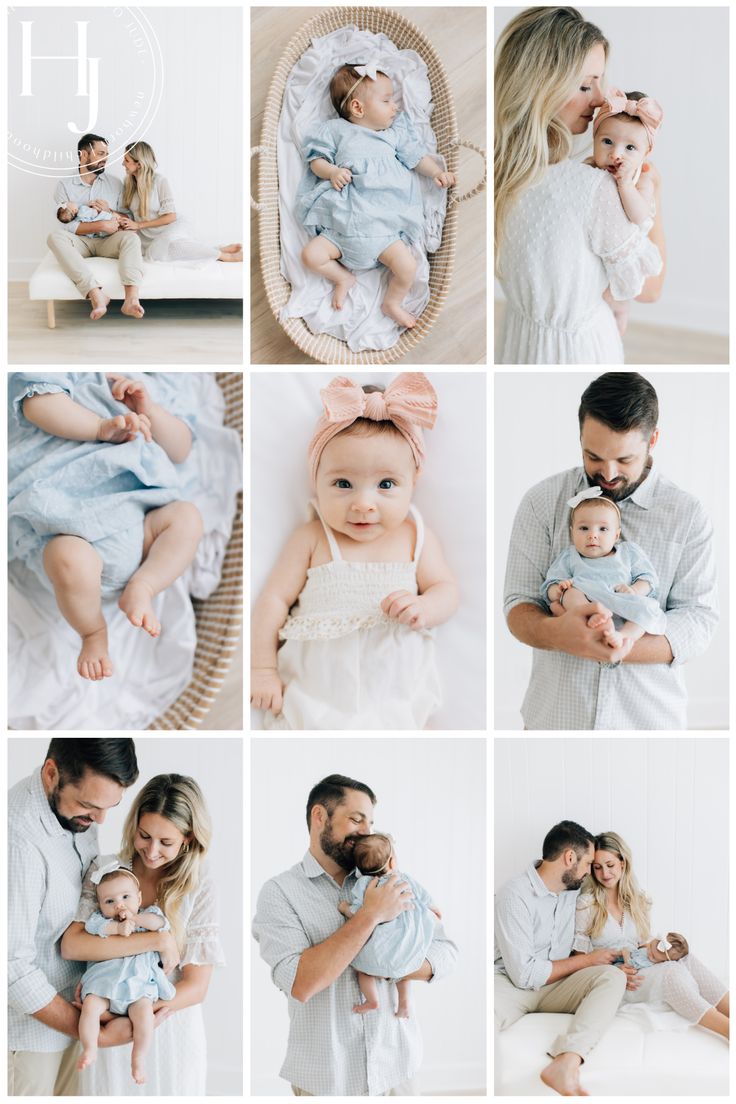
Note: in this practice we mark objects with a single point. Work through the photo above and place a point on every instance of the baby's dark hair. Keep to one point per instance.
(679, 946)
(367, 427)
(121, 872)
(341, 83)
(602, 500)
(372, 853)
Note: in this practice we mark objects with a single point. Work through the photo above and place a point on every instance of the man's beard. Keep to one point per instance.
(572, 880)
(341, 853)
(624, 487)
(71, 824)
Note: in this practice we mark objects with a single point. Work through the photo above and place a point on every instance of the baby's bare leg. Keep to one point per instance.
(171, 536)
(140, 1014)
(403, 269)
(369, 989)
(320, 255)
(89, 1028)
(403, 988)
(614, 638)
(75, 570)
(575, 599)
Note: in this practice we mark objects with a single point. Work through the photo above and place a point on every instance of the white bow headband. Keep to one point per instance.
(370, 69)
(664, 945)
(110, 868)
(591, 492)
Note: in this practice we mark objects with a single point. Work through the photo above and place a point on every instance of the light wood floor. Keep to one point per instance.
(459, 36)
(174, 331)
(646, 344)
(227, 712)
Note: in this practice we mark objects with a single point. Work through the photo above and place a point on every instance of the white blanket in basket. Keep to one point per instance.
(307, 102)
(44, 689)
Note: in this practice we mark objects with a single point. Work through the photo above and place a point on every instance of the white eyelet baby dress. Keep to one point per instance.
(344, 663)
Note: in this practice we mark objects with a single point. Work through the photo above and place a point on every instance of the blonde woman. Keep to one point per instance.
(164, 236)
(613, 913)
(166, 837)
(562, 236)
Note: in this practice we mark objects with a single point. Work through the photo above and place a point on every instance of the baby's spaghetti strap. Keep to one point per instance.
(419, 545)
(334, 550)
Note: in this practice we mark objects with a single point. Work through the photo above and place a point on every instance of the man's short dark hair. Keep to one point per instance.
(562, 837)
(114, 758)
(330, 792)
(622, 401)
(88, 140)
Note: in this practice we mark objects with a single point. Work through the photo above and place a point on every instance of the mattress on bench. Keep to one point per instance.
(161, 280)
(628, 1061)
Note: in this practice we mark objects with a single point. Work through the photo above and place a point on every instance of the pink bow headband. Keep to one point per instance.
(409, 401)
(647, 110)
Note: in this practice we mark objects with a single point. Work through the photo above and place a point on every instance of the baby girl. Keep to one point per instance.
(668, 949)
(365, 204)
(623, 136)
(69, 211)
(398, 947)
(367, 580)
(124, 986)
(94, 522)
(598, 567)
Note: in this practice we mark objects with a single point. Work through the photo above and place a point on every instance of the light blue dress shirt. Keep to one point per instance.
(534, 928)
(74, 190)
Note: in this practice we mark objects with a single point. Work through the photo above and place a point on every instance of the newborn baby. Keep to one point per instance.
(70, 211)
(670, 949)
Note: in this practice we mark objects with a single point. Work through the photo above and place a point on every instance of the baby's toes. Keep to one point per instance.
(151, 625)
(83, 668)
(106, 667)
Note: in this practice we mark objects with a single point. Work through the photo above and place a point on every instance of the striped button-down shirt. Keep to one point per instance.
(46, 866)
(567, 692)
(534, 928)
(331, 1051)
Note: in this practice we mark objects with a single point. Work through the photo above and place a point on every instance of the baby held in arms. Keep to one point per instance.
(670, 948)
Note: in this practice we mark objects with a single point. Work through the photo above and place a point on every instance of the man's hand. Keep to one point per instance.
(602, 956)
(633, 981)
(406, 608)
(624, 588)
(108, 226)
(115, 1033)
(124, 428)
(266, 689)
(100, 205)
(388, 900)
(573, 635)
(132, 393)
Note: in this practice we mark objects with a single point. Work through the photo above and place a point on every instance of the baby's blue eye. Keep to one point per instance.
(387, 484)
(343, 484)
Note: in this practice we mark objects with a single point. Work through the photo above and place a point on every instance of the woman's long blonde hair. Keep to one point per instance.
(539, 57)
(631, 897)
(142, 182)
(178, 799)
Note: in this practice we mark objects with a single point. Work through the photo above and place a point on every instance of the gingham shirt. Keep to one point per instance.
(567, 692)
(331, 1051)
(46, 866)
(534, 927)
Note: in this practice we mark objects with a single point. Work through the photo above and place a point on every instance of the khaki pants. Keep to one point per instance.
(593, 994)
(405, 1089)
(71, 251)
(31, 1073)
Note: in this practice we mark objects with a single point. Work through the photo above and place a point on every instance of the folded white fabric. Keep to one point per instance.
(361, 322)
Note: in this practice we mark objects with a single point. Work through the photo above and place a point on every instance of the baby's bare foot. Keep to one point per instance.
(366, 1006)
(397, 312)
(598, 620)
(94, 662)
(86, 1058)
(402, 1012)
(340, 293)
(136, 602)
(139, 1073)
(613, 638)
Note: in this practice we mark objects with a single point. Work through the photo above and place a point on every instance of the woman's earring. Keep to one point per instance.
(185, 849)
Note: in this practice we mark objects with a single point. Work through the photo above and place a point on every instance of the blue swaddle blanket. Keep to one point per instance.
(125, 980)
(638, 957)
(396, 947)
(597, 577)
(94, 490)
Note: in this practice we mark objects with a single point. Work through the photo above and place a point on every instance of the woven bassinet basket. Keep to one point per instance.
(405, 36)
(218, 617)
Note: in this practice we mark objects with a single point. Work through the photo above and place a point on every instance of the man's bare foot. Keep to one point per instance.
(94, 662)
(397, 312)
(132, 308)
(340, 293)
(366, 1006)
(613, 638)
(99, 302)
(136, 603)
(563, 1075)
(86, 1058)
(598, 620)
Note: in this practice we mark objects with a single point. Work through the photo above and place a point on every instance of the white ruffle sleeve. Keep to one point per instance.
(202, 936)
(628, 255)
(583, 920)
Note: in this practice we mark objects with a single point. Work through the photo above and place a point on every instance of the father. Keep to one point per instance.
(309, 948)
(577, 681)
(52, 838)
(535, 970)
(74, 242)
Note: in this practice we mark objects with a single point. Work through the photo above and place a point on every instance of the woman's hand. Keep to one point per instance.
(406, 608)
(266, 689)
(340, 177)
(653, 174)
(445, 180)
(126, 223)
(633, 981)
(124, 428)
(132, 393)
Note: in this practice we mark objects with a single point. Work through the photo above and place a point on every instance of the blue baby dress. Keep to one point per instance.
(638, 958)
(125, 980)
(396, 947)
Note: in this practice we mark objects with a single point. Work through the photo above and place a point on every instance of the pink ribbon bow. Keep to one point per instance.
(647, 110)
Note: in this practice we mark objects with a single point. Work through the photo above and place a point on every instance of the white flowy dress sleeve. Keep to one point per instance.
(628, 255)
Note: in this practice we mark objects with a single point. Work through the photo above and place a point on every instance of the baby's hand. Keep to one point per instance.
(266, 689)
(71, 208)
(624, 588)
(340, 177)
(445, 180)
(126, 927)
(625, 174)
(406, 608)
(123, 428)
(565, 584)
(130, 392)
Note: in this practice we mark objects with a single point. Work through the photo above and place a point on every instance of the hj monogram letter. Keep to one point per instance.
(88, 70)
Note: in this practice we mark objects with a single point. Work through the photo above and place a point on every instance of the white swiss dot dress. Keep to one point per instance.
(566, 240)
(344, 663)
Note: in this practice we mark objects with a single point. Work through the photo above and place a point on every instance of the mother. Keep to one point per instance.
(613, 912)
(165, 840)
(561, 234)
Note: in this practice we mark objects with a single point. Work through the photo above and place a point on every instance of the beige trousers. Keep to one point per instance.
(405, 1089)
(31, 1073)
(71, 251)
(593, 994)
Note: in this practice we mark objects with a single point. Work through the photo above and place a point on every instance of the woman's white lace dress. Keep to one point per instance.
(566, 240)
(686, 986)
(174, 241)
(344, 663)
(177, 1061)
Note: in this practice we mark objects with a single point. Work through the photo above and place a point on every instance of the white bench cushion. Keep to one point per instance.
(161, 280)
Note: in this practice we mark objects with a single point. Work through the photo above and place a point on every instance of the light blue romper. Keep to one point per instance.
(397, 947)
(638, 958)
(597, 578)
(383, 204)
(125, 980)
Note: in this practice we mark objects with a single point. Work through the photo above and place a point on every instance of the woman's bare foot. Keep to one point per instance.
(563, 1075)
(132, 308)
(86, 1058)
(366, 1006)
(99, 302)
(340, 293)
(94, 662)
(136, 602)
(397, 312)
(236, 248)
(231, 254)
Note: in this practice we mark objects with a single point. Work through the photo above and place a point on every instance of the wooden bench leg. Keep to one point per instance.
(50, 316)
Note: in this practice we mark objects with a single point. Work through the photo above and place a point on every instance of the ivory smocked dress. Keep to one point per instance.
(344, 663)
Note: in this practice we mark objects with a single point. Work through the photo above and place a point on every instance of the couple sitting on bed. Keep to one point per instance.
(559, 950)
(129, 222)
